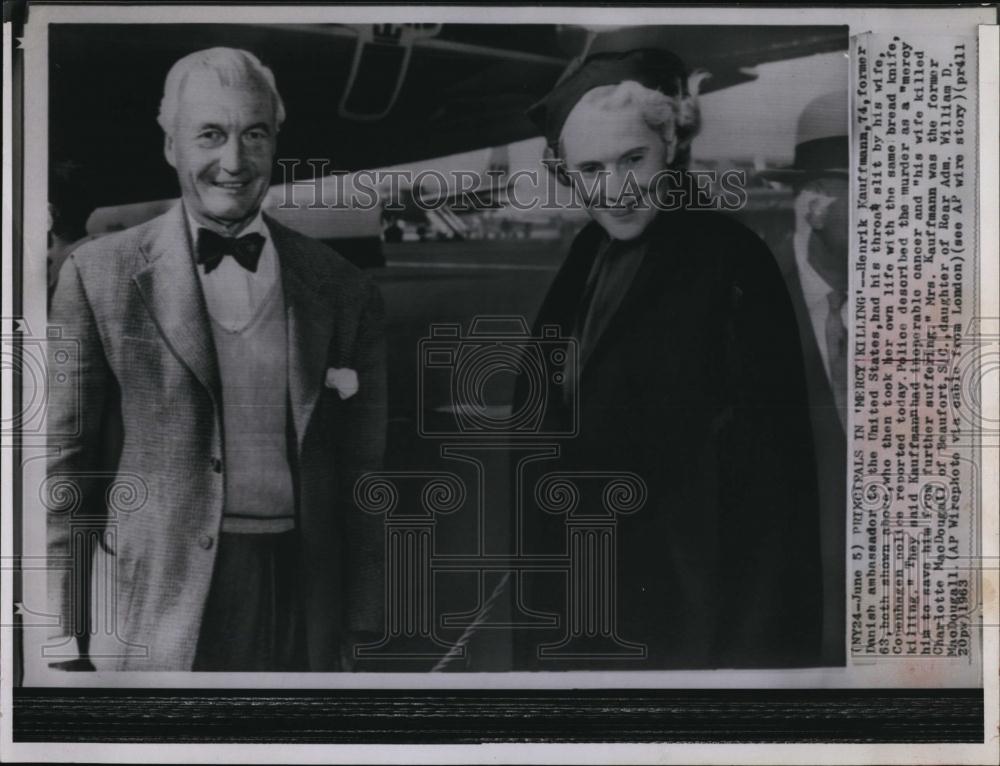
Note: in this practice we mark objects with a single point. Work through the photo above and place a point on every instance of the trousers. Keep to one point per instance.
(253, 620)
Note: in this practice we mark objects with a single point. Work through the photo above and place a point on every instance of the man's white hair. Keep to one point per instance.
(233, 67)
(676, 119)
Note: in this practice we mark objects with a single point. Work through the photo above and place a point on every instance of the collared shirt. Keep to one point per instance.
(234, 294)
(815, 293)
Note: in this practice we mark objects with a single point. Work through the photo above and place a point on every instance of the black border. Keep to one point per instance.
(454, 717)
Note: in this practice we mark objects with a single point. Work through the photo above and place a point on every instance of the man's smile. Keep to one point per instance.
(230, 185)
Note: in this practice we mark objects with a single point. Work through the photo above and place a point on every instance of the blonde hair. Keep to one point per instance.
(677, 119)
(233, 66)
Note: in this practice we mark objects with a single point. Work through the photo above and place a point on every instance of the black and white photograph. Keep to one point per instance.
(539, 349)
(243, 393)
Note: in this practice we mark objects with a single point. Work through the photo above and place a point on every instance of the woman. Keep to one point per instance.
(690, 375)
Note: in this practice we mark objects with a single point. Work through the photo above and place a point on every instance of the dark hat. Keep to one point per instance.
(821, 146)
(654, 68)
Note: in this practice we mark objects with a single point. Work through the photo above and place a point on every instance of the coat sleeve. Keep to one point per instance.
(79, 384)
(366, 419)
(769, 511)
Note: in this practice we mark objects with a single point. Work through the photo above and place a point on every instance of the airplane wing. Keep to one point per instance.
(360, 96)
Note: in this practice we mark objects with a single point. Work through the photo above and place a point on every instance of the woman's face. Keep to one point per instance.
(612, 158)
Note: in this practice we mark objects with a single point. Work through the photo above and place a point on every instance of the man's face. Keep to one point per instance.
(621, 145)
(222, 147)
(825, 202)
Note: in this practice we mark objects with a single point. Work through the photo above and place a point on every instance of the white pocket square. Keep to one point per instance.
(344, 380)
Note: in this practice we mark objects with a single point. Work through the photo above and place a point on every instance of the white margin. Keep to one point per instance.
(6, 406)
(860, 20)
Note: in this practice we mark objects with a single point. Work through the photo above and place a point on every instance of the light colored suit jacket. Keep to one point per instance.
(133, 303)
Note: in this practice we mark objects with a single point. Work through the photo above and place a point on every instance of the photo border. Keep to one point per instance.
(467, 717)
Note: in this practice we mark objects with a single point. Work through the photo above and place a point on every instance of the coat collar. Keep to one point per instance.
(318, 317)
(317, 309)
(784, 254)
(565, 295)
(169, 286)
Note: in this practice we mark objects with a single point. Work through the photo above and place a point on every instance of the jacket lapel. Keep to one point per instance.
(821, 389)
(170, 288)
(563, 298)
(318, 319)
(647, 277)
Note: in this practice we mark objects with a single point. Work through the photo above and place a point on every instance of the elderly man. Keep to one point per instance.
(690, 376)
(245, 363)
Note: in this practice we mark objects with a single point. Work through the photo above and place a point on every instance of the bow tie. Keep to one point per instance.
(213, 247)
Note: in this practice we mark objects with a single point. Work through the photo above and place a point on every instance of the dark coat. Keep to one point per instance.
(831, 462)
(131, 303)
(696, 385)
